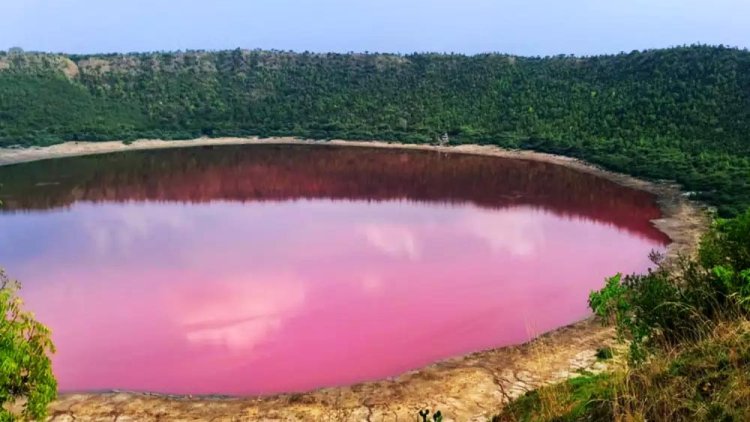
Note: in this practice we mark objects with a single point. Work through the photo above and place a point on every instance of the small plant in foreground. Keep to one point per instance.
(425, 414)
(25, 367)
(604, 353)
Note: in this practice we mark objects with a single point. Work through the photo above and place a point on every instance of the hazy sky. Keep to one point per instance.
(529, 27)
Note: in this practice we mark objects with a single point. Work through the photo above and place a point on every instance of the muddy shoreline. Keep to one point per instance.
(472, 387)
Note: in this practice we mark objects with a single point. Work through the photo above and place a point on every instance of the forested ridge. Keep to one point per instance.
(680, 113)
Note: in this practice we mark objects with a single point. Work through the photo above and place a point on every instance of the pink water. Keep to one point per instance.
(182, 278)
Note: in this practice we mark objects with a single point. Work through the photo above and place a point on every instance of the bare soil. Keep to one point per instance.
(468, 388)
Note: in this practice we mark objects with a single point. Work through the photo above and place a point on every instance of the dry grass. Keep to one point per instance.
(701, 380)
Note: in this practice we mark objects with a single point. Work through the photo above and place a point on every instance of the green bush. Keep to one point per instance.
(672, 304)
(25, 367)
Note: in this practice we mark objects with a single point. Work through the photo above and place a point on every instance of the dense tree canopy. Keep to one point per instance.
(680, 113)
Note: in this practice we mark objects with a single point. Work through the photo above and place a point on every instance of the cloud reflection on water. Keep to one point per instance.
(392, 239)
(515, 230)
(126, 226)
(243, 271)
(239, 314)
(233, 298)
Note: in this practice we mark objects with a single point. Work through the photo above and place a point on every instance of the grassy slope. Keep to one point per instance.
(703, 380)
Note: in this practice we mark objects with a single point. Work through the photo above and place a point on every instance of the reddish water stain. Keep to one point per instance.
(263, 269)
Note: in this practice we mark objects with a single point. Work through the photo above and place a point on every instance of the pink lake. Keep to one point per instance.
(266, 269)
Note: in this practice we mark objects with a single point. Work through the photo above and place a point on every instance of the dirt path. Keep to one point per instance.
(469, 388)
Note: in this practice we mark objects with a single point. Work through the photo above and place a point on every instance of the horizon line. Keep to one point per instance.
(10, 50)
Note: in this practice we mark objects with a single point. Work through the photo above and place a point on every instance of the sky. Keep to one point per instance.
(524, 27)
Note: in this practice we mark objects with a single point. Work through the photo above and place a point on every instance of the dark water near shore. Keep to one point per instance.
(261, 269)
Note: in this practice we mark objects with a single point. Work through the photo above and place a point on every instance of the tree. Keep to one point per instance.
(25, 367)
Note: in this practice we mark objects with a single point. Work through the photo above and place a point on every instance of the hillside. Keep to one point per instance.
(679, 114)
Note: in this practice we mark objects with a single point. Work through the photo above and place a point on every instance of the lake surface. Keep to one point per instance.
(265, 269)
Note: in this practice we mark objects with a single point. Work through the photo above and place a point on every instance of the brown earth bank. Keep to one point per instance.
(468, 388)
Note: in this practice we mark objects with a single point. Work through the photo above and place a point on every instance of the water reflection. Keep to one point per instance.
(262, 173)
(238, 314)
(192, 275)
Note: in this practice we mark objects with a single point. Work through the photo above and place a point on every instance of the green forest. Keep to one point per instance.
(678, 114)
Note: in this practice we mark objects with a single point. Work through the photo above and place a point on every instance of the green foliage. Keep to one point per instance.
(577, 399)
(604, 353)
(668, 306)
(610, 303)
(727, 244)
(679, 113)
(25, 367)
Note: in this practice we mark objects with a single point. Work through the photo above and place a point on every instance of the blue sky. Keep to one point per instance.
(527, 27)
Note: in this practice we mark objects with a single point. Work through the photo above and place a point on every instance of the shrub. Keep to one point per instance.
(25, 367)
(669, 305)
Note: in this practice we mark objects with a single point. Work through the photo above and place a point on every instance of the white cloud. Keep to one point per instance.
(517, 231)
(242, 313)
(117, 229)
(392, 239)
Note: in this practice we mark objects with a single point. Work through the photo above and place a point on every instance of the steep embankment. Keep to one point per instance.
(679, 113)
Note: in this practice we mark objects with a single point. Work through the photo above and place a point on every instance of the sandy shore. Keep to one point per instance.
(468, 388)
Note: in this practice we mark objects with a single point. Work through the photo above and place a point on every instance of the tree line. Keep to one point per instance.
(680, 113)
